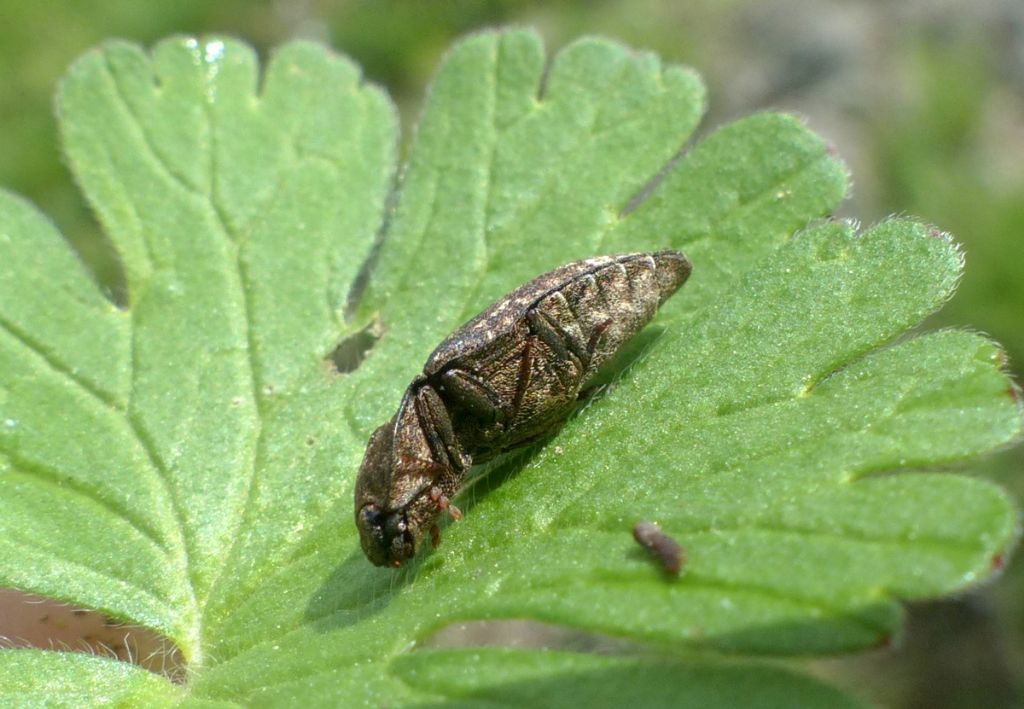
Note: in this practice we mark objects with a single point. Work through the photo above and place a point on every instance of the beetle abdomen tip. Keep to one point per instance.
(672, 270)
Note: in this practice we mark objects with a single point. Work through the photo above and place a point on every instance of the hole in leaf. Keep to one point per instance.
(352, 350)
(30, 621)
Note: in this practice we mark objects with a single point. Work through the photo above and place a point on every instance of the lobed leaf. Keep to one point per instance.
(186, 462)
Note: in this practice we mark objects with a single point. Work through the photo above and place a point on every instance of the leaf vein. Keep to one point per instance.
(242, 281)
(139, 124)
(844, 535)
(58, 367)
(46, 475)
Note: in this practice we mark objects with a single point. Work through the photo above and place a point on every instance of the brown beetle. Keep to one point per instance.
(502, 380)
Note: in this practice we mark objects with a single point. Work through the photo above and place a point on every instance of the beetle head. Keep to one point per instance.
(392, 505)
(382, 533)
(385, 536)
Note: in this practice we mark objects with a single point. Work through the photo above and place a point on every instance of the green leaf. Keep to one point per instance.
(481, 677)
(41, 678)
(186, 462)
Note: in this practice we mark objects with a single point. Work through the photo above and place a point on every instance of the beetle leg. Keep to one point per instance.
(473, 394)
(410, 462)
(523, 380)
(562, 345)
(595, 339)
(549, 332)
(444, 504)
(437, 428)
(435, 536)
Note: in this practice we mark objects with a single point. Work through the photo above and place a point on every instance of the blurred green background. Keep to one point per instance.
(925, 100)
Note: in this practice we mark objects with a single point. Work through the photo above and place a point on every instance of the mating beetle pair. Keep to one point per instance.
(504, 379)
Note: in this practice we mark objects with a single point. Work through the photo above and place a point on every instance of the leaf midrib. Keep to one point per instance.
(233, 240)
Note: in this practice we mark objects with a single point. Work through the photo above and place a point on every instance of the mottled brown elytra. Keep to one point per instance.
(505, 378)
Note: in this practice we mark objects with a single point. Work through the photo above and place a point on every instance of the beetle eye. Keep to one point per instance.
(371, 523)
(395, 526)
(370, 515)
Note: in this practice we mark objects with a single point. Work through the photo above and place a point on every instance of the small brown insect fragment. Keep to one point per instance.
(504, 379)
(668, 551)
